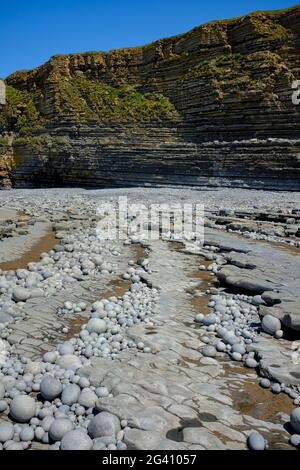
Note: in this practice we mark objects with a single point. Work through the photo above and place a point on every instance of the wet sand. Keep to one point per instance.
(45, 244)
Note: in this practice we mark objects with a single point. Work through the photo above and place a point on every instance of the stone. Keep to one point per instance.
(69, 362)
(209, 351)
(209, 319)
(70, 394)
(256, 441)
(50, 357)
(6, 432)
(76, 440)
(33, 367)
(265, 383)
(295, 440)
(104, 424)
(270, 324)
(295, 419)
(27, 434)
(66, 348)
(251, 363)
(96, 325)
(20, 294)
(23, 408)
(199, 318)
(59, 428)
(87, 399)
(276, 388)
(279, 334)
(50, 387)
(3, 406)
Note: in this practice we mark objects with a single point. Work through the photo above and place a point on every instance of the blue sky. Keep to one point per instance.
(32, 31)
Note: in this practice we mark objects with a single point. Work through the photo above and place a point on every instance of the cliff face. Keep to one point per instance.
(212, 106)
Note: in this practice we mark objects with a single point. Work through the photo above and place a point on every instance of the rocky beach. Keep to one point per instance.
(140, 344)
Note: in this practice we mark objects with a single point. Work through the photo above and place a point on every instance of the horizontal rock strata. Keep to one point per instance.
(209, 107)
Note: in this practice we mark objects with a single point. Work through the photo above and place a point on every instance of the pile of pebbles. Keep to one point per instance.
(75, 258)
(49, 401)
(230, 329)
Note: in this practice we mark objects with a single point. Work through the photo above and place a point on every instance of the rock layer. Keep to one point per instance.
(209, 107)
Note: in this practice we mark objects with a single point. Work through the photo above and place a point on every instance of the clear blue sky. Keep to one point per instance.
(33, 30)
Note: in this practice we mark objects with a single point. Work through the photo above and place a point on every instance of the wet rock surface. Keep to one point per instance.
(149, 344)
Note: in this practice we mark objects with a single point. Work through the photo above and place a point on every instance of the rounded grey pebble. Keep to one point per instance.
(278, 334)
(236, 356)
(104, 424)
(6, 432)
(295, 419)
(59, 428)
(295, 440)
(50, 357)
(87, 399)
(3, 406)
(50, 387)
(102, 392)
(256, 441)
(46, 422)
(20, 294)
(27, 434)
(276, 388)
(265, 383)
(209, 351)
(199, 318)
(251, 363)
(23, 408)
(270, 324)
(70, 394)
(76, 440)
(39, 433)
(220, 346)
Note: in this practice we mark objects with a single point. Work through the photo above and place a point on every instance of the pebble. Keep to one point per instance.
(295, 419)
(199, 318)
(256, 441)
(76, 440)
(50, 387)
(6, 432)
(59, 428)
(270, 324)
(295, 440)
(27, 434)
(70, 394)
(276, 388)
(265, 383)
(96, 325)
(251, 363)
(209, 351)
(104, 424)
(23, 408)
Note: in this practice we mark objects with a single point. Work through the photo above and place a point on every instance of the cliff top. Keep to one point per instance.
(266, 22)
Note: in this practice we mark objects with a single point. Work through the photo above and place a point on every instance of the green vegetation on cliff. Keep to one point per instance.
(20, 111)
(90, 99)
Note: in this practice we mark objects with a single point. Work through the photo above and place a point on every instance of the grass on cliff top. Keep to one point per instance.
(89, 99)
(235, 63)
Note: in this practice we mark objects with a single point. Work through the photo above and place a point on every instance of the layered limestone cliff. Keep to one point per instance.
(209, 107)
